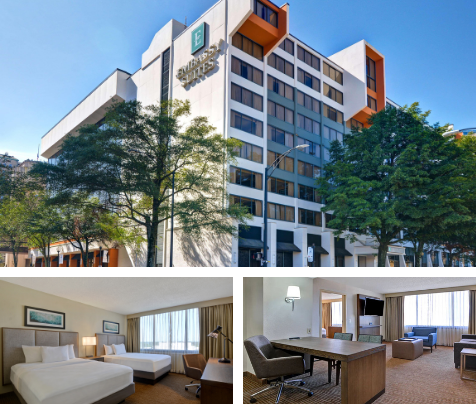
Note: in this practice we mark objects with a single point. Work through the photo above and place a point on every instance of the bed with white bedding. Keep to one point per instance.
(44, 368)
(147, 367)
(76, 381)
(324, 333)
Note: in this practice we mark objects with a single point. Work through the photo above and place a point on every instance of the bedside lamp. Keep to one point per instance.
(89, 341)
(214, 334)
(294, 293)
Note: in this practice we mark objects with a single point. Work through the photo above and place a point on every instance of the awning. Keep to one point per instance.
(286, 247)
(55, 259)
(319, 250)
(91, 255)
(342, 252)
(250, 243)
(76, 256)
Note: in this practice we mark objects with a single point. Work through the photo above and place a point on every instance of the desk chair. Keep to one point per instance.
(375, 339)
(345, 336)
(194, 365)
(271, 363)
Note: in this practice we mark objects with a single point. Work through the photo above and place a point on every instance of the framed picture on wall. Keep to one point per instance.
(42, 318)
(109, 327)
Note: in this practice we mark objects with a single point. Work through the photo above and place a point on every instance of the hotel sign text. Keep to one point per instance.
(200, 65)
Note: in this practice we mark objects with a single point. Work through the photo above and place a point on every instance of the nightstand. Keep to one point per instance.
(94, 358)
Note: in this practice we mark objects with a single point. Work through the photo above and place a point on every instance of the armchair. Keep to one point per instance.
(427, 334)
(271, 363)
(467, 341)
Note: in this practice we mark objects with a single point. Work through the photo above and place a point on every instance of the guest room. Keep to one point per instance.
(116, 340)
(359, 340)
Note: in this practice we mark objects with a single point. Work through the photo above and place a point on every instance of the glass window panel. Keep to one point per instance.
(289, 140)
(289, 164)
(315, 84)
(301, 121)
(235, 65)
(289, 46)
(280, 85)
(257, 51)
(308, 123)
(270, 158)
(258, 76)
(301, 168)
(300, 53)
(290, 188)
(273, 19)
(258, 178)
(246, 124)
(316, 127)
(308, 58)
(235, 92)
(233, 174)
(289, 116)
(271, 108)
(279, 136)
(289, 214)
(271, 210)
(280, 187)
(289, 92)
(315, 63)
(272, 60)
(258, 128)
(270, 83)
(308, 102)
(301, 76)
(280, 112)
(247, 97)
(237, 41)
(289, 69)
(257, 102)
(280, 64)
(339, 77)
(258, 208)
(247, 46)
(300, 98)
(257, 154)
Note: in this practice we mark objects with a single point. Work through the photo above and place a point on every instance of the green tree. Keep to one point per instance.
(13, 225)
(392, 180)
(132, 159)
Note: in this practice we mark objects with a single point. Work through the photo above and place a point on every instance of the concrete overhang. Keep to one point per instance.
(89, 111)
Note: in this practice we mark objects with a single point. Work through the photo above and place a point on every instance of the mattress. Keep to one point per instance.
(140, 361)
(77, 381)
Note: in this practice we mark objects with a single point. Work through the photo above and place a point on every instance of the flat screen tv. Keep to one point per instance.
(373, 307)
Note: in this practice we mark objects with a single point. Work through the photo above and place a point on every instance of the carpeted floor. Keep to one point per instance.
(169, 390)
(430, 379)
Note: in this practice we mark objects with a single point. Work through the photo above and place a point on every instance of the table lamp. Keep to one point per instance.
(89, 341)
(214, 334)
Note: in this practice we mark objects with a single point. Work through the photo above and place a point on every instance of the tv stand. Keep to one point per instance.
(367, 325)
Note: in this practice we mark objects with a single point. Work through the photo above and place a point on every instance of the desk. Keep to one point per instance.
(217, 383)
(363, 365)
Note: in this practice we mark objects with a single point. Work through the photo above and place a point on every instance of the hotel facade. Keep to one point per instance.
(240, 66)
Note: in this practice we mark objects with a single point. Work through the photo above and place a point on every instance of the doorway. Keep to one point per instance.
(333, 313)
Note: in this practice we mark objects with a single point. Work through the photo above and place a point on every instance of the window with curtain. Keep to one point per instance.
(174, 333)
(336, 309)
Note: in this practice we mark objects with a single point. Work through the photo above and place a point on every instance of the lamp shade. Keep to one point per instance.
(293, 292)
(88, 341)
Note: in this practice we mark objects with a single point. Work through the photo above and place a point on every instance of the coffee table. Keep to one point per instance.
(464, 353)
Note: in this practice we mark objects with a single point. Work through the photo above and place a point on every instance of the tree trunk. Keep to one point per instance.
(382, 255)
(152, 236)
(15, 256)
(419, 255)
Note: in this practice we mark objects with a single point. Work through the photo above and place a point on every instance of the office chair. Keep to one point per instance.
(271, 363)
(194, 365)
(376, 339)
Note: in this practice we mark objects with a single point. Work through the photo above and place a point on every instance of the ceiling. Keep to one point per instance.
(131, 295)
(330, 296)
(397, 285)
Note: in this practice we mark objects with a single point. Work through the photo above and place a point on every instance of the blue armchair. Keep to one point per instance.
(427, 334)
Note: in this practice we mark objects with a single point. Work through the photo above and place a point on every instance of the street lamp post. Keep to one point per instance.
(267, 174)
(58, 250)
(100, 256)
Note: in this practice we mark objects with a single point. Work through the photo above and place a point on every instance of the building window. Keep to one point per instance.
(251, 152)
(281, 212)
(288, 46)
(332, 73)
(266, 13)
(281, 88)
(281, 187)
(308, 80)
(333, 114)
(164, 95)
(248, 46)
(371, 103)
(332, 134)
(308, 170)
(309, 58)
(280, 112)
(333, 94)
(310, 217)
(246, 97)
(314, 149)
(371, 76)
(308, 102)
(286, 163)
(246, 178)
(246, 71)
(362, 261)
(246, 123)
(281, 65)
(308, 124)
(356, 124)
(52, 160)
(327, 154)
(280, 136)
(308, 194)
(255, 207)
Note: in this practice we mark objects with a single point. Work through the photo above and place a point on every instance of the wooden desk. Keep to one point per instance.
(217, 383)
(363, 365)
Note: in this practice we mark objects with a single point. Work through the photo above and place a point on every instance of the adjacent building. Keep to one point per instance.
(240, 65)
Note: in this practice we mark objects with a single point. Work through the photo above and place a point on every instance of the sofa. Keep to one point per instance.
(427, 334)
(467, 341)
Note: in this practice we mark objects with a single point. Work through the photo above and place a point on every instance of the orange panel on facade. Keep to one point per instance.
(379, 78)
(113, 257)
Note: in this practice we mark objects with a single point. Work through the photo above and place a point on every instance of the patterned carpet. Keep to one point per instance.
(169, 390)
(430, 379)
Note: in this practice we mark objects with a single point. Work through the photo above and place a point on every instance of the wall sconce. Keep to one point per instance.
(293, 294)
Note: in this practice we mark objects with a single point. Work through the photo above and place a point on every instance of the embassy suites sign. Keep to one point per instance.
(203, 63)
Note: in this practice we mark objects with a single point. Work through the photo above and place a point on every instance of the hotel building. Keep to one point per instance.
(239, 65)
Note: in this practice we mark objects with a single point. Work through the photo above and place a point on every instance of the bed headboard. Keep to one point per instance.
(14, 338)
(108, 339)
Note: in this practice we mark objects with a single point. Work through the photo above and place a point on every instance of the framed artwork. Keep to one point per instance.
(42, 318)
(109, 327)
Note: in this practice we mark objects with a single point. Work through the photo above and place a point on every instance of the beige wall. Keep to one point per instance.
(84, 319)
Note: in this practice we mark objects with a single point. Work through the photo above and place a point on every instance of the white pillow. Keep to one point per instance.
(54, 354)
(108, 350)
(32, 353)
(71, 351)
(119, 349)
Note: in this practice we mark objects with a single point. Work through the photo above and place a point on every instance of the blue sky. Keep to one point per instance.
(54, 52)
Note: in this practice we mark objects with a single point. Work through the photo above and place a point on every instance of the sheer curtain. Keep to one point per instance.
(336, 308)
(448, 312)
(175, 334)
